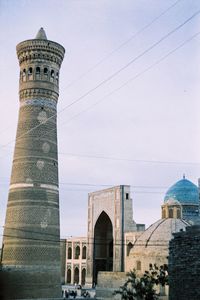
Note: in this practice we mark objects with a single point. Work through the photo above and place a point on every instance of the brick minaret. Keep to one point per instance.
(31, 248)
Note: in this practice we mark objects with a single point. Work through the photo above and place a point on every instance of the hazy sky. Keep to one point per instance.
(153, 118)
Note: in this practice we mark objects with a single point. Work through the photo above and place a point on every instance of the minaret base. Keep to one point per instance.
(28, 283)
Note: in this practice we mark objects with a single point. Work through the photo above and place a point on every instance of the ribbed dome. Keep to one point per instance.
(158, 235)
(152, 246)
(184, 191)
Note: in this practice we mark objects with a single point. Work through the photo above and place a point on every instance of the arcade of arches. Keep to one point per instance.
(76, 277)
(76, 252)
(75, 261)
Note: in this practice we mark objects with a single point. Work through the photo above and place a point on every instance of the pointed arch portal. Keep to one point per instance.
(103, 245)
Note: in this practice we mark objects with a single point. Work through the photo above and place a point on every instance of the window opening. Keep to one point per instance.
(129, 247)
(77, 252)
(84, 252)
(57, 75)
(24, 75)
(170, 212)
(69, 254)
(138, 265)
(45, 72)
(52, 75)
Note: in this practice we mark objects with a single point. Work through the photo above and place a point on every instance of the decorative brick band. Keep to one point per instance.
(20, 185)
(34, 92)
(40, 49)
(49, 186)
(28, 185)
(39, 102)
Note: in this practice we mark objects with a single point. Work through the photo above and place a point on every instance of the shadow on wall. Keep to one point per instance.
(7, 290)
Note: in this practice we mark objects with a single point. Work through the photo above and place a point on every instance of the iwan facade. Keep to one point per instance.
(110, 218)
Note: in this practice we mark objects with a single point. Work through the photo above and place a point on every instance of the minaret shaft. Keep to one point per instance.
(31, 244)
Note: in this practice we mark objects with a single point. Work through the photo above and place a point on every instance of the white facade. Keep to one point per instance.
(75, 270)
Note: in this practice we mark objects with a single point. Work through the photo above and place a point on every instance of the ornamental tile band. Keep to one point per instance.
(39, 102)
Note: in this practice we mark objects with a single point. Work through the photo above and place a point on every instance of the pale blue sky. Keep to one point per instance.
(155, 117)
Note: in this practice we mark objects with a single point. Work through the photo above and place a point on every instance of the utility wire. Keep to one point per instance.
(122, 45)
(111, 158)
(111, 185)
(37, 232)
(116, 49)
(89, 191)
(112, 92)
(130, 160)
(105, 185)
(87, 243)
(29, 231)
(133, 60)
(111, 76)
(93, 239)
(122, 86)
(135, 192)
(134, 77)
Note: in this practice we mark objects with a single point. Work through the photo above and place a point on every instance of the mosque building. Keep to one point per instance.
(180, 209)
(116, 244)
(186, 195)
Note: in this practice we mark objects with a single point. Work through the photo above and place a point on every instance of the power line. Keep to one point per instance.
(106, 185)
(132, 61)
(130, 160)
(95, 239)
(91, 156)
(111, 185)
(87, 243)
(90, 191)
(114, 91)
(116, 49)
(28, 231)
(135, 192)
(135, 77)
(123, 44)
(112, 75)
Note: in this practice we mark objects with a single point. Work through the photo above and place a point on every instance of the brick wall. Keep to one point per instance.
(184, 265)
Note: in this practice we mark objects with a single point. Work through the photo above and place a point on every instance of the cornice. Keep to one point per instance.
(41, 93)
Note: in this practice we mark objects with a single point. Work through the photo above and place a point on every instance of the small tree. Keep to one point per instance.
(143, 288)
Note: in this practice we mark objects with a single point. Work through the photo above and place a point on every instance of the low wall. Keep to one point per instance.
(108, 283)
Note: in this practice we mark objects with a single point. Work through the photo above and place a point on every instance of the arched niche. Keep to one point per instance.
(76, 275)
(103, 245)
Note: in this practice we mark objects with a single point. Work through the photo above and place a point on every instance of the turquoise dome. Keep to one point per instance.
(184, 191)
